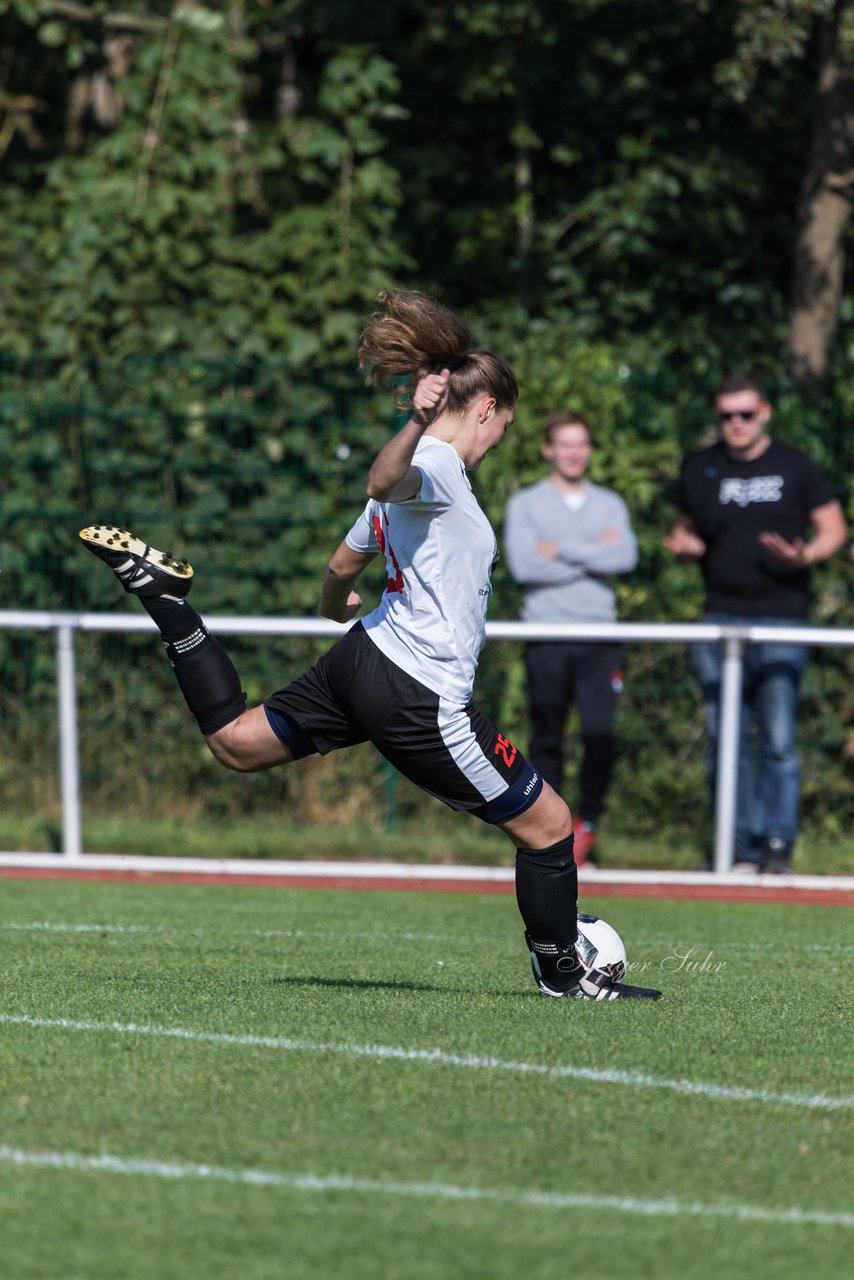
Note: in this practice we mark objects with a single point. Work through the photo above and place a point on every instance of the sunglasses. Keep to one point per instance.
(747, 415)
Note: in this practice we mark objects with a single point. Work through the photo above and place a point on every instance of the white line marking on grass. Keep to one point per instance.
(841, 947)
(639, 945)
(394, 934)
(58, 926)
(668, 1207)
(280, 933)
(47, 926)
(595, 1075)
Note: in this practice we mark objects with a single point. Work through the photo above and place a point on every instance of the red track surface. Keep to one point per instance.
(763, 892)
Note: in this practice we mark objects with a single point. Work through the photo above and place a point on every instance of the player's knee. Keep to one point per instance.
(547, 822)
(557, 820)
(227, 748)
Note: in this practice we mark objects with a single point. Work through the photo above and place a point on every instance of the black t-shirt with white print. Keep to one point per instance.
(731, 503)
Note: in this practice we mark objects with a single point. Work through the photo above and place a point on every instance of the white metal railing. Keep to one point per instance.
(733, 638)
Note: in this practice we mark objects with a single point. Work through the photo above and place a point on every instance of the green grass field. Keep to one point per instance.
(206, 1082)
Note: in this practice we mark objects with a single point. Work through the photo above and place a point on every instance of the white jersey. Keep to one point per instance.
(439, 550)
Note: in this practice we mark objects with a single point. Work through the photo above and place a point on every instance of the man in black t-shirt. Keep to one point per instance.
(747, 505)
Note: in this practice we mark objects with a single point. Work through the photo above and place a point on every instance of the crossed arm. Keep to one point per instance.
(537, 561)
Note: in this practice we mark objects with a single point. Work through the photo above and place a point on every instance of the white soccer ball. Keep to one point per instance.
(600, 948)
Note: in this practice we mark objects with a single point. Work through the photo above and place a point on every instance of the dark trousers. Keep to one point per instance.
(590, 676)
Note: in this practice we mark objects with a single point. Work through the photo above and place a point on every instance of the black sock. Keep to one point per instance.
(547, 896)
(205, 673)
(174, 618)
(547, 891)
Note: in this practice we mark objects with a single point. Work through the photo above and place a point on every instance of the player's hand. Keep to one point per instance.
(430, 397)
(345, 611)
(684, 544)
(352, 607)
(793, 555)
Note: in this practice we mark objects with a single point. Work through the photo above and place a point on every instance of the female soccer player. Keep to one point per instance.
(402, 676)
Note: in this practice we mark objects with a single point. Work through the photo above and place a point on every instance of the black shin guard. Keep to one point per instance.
(210, 684)
(547, 897)
(205, 673)
(547, 891)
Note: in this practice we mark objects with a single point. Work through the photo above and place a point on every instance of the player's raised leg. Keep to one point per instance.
(240, 739)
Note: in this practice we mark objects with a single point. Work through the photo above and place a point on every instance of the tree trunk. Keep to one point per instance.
(523, 202)
(824, 212)
(94, 101)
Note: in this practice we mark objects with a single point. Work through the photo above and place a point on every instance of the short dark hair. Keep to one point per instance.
(565, 418)
(735, 382)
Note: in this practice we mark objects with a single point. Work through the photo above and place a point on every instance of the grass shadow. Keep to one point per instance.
(355, 984)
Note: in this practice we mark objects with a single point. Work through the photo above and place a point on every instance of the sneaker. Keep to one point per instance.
(584, 834)
(140, 569)
(745, 867)
(776, 857)
(591, 984)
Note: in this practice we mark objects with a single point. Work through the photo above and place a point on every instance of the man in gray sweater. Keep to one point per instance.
(563, 538)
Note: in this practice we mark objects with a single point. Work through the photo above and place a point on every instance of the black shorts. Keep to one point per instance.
(354, 693)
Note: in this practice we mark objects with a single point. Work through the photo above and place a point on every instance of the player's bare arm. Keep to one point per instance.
(393, 478)
(338, 600)
(831, 534)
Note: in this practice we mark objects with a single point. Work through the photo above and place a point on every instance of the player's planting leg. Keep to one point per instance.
(547, 897)
(564, 959)
(205, 673)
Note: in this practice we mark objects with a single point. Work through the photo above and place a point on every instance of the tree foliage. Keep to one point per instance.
(240, 178)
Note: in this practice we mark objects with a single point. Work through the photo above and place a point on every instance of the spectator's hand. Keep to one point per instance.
(793, 555)
(430, 397)
(609, 535)
(684, 544)
(546, 549)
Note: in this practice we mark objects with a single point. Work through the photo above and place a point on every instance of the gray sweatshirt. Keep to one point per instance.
(572, 586)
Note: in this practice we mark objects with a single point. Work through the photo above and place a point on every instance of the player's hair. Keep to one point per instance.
(565, 418)
(410, 335)
(735, 382)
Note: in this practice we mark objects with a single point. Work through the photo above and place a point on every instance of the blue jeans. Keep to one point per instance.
(769, 776)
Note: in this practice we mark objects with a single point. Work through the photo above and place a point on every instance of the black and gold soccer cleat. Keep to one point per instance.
(140, 569)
